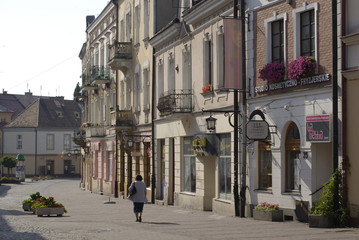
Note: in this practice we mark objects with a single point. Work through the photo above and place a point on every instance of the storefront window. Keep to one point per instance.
(189, 166)
(265, 165)
(292, 149)
(224, 167)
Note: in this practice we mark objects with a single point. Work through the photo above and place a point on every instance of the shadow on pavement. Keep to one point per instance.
(161, 223)
(6, 231)
(4, 189)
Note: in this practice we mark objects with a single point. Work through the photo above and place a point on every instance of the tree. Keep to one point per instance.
(8, 161)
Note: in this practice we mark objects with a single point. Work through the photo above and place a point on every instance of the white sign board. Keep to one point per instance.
(257, 130)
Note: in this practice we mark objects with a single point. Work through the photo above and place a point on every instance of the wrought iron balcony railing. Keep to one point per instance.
(80, 137)
(176, 101)
(100, 74)
(122, 119)
(120, 53)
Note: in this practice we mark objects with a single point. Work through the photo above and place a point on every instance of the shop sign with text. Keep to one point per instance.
(293, 83)
(318, 128)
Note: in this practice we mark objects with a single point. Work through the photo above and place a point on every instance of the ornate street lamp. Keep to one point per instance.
(211, 123)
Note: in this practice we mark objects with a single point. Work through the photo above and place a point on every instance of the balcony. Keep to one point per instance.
(120, 56)
(122, 119)
(100, 75)
(95, 131)
(89, 87)
(176, 102)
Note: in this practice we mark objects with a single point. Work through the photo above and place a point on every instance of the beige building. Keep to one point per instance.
(98, 97)
(43, 133)
(350, 40)
(194, 166)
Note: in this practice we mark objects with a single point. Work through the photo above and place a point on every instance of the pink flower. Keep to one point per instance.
(302, 67)
(272, 72)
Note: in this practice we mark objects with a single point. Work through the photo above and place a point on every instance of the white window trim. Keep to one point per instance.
(268, 35)
(220, 33)
(207, 38)
(296, 19)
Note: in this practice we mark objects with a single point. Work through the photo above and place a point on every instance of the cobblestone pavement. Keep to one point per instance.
(89, 218)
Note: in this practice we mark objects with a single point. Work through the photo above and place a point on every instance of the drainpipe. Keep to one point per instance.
(116, 141)
(344, 111)
(35, 151)
(153, 178)
(335, 100)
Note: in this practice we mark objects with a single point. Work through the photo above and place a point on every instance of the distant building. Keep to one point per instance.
(43, 133)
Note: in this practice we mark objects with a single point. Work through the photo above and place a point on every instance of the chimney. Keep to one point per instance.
(89, 20)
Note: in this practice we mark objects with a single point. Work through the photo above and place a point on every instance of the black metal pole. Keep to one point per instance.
(244, 113)
(235, 131)
(335, 102)
(153, 177)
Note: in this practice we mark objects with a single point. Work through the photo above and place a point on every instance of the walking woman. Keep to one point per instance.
(137, 192)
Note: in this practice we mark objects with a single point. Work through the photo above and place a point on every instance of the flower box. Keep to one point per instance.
(58, 211)
(26, 206)
(320, 221)
(268, 215)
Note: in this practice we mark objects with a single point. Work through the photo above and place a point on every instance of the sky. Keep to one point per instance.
(40, 41)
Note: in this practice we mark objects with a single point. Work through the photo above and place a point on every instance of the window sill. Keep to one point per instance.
(292, 193)
(207, 94)
(222, 200)
(188, 193)
(266, 191)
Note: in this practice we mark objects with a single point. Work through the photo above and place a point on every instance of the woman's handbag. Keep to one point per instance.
(133, 190)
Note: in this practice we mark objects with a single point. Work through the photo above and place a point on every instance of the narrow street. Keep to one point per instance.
(89, 218)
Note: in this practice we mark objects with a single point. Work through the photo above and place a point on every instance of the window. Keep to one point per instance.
(207, 61)
(137, 22)
(292, 166)
(122, 30)
(109, 166)
(305, 30)
(137, 91)
(18, 141)
(220, 59)
(224, 166)
(186, 68)
(146, 90)
(160, 78)
(50, 141)
(146, 15)
(128, 24)
(67, 141)
(264, 165)
(307, 33)
(277, 47)
(189, 166)
(171, 73)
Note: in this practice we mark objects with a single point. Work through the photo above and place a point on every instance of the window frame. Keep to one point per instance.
(67, 141)
(207, 60)
(50, 137)
(19, 141)
(268, 33)
(225, 150)
(189, 155)
(296, 13)
(264, 147)
(292, 146)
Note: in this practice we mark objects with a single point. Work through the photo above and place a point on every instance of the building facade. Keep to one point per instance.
(350, 73)
(290, 77)
(43, 133)
(98, 96)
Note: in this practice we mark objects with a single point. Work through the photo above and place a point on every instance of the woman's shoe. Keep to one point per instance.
(140, 219)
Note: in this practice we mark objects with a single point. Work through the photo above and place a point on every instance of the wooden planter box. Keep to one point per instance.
(58, 211)
(26, 206)
(320, 221)
(272, 216)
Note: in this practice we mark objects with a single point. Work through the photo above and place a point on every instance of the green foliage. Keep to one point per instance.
(44, 202)
(325, 204)
(8, 161)
(9, 180)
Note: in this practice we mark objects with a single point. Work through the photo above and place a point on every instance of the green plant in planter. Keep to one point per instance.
(325, 204)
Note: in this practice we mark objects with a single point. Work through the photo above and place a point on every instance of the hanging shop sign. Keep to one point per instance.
(293, 83)
(318, 128)
(205, 145)
(257, 129)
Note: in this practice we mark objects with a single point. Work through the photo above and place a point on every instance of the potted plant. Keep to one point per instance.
(268, 212)
(272, 72)
(324, 214)
(302, 67)
(48, 206)
(207, 88)
(27, 203)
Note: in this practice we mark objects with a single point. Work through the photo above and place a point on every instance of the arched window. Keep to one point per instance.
(292, 162)
(264, 165)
